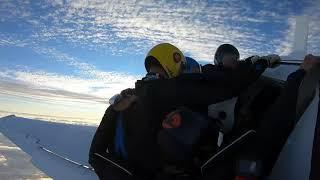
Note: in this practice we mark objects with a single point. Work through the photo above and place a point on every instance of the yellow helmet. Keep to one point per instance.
(170, 58)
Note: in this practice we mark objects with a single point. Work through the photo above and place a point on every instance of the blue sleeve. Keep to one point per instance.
(120, 148)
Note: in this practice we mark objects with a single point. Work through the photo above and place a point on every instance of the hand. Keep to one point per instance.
(309, 62)
(273, 60)
(115, 99)
(124, 103)
(128, 92)
(254, 59)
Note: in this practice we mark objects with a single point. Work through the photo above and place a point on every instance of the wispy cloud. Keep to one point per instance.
(314, 27)
(126, 27)
(53, 87)
(90, 82)
(134, 26)
(286, 44)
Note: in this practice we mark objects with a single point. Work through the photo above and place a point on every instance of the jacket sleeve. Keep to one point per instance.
(293, 83)
(104, 134)
(236, 79)
(200, 89)
(246, 73)
(186, 90)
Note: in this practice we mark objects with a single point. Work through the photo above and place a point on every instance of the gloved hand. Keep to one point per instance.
(273, 60)
(122, 101)
(128, 92)
(254, 59)
(115, 99)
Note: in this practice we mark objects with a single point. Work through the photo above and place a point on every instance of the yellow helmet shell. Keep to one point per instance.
(170, 58)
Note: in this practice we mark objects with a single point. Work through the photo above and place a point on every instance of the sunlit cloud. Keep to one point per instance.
(90, 83)
(50, 86)
(134, 26)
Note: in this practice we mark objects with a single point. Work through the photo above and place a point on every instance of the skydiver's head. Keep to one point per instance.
(191, 66)
(227, 55)
(165, 60)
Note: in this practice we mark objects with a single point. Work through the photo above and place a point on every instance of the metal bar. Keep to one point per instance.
(65, 158)
(224, 149)
(113, 163)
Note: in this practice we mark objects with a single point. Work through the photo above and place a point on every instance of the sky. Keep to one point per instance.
(63, 59)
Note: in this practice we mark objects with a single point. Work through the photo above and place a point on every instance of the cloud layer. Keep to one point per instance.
(123, 28)
(53, 87)
(197, 27)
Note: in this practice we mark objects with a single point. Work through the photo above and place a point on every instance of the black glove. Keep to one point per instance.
(128, 92)
(272, 60)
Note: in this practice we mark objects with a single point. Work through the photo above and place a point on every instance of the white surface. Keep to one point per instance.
(71, 141)
(295, 159)
(228, 107)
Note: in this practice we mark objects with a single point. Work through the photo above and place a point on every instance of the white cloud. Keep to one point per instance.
(314, 28)
(44, 85)
(286, 44)
(134, 26)
(90, 80)
(313, 14)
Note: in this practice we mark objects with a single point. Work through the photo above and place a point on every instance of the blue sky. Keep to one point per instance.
(64, 58)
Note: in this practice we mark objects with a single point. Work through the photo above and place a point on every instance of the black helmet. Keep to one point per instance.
(225, 49)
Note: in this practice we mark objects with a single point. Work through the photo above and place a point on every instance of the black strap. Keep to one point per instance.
(249, 95)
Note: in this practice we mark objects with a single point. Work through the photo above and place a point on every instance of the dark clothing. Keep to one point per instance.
(138, 138)
(272, 133)
(241, 77)
(156, 98)
(278, 122)
(197, 91)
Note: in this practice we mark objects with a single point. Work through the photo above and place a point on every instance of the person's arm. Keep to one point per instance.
(250, 70)
(104, 134)
(186, 90)
(246, 73)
